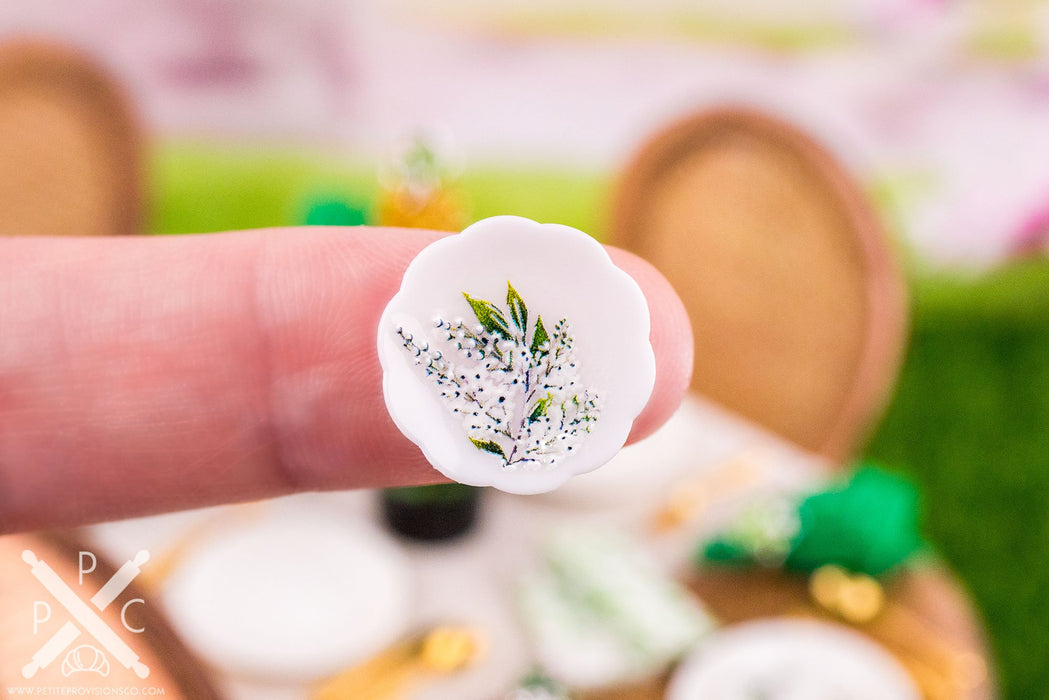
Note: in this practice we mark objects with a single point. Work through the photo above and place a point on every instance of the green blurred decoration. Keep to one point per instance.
(334, 210)
(538, 686)
(970, 417)
(867, 524)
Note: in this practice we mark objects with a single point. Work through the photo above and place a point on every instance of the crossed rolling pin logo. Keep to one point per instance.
(84, 618)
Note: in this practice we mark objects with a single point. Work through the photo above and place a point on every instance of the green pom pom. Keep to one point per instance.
(332, 211)
(870, 525)
(723, 552)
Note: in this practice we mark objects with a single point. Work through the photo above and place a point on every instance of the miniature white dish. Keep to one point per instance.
(790, 659)
(297, 597)
(516, 355)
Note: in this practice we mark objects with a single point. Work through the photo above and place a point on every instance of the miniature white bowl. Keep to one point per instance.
(498, 277)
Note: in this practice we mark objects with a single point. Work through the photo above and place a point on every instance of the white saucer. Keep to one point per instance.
(788, 659)
(294, 597)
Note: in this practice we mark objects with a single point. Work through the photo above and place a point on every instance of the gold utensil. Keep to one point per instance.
(440, 651)
(691, 496)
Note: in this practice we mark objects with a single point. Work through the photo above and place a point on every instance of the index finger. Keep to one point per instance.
(140, 375)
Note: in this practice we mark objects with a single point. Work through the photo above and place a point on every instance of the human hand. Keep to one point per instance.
(140, 375)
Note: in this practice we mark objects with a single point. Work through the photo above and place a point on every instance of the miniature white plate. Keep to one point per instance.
(297, 597)
(516, 355)
(790, 659)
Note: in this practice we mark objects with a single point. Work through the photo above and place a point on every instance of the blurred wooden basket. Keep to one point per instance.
(796, 304)
(69, 146)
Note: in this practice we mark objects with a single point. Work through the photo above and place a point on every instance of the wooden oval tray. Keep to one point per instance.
(797, 307)
(69, 146)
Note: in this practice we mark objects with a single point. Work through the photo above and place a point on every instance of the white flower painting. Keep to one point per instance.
(514, 384)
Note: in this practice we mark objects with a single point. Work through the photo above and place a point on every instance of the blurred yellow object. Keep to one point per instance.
(440, 651)
(417, 192)
(691, 496)
(448, 649)
(442, 209)
(856, 598)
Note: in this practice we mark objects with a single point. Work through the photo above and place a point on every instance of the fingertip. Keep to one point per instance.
(671, 338)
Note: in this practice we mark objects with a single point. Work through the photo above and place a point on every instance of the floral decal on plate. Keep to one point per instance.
(514, 384)
(536, 365)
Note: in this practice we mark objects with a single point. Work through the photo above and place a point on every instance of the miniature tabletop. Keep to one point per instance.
(472, 580)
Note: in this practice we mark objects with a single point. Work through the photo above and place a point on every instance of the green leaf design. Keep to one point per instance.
(488, 315)
(540, 336)
(489, 446)
(518, 310)
(540, 409)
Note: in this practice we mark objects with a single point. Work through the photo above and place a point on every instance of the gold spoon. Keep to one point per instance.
(441, 651)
